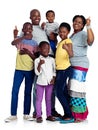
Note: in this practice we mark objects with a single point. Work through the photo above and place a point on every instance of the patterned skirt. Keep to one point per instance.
(77, 92)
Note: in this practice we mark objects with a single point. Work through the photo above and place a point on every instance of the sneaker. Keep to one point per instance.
(11, 118)
(39, 120)
(28, 118)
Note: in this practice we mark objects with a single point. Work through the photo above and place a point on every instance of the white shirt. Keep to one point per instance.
(47, 70)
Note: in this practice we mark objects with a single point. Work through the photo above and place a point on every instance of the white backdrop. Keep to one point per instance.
(16, 12)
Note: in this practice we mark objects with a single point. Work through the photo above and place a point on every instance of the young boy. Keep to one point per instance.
(44, 67)
(26, 47)
(51, 29)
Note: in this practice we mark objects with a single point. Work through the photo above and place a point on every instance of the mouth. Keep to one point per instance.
(28, 32)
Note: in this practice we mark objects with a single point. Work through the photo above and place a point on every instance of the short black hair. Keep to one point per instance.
(50, 11)
(66, 25)
(43, 43)
(26, 23)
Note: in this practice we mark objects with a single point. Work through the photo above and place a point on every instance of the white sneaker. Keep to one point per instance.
(11, 118)
(28, 118)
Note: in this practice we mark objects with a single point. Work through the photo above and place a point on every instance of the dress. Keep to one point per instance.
(80, 65)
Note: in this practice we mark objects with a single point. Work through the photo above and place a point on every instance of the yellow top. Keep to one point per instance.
(62, 57)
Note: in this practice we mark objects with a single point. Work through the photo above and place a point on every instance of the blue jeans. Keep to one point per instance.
(19, 75)
(61, 90)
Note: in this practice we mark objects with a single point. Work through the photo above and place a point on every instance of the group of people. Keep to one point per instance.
(58, 68)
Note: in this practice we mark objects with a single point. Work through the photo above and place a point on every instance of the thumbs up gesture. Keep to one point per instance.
(15, 32)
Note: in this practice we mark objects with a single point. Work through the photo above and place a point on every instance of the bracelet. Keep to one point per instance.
(88, 27)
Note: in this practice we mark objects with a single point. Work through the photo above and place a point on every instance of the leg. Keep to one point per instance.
(61, 78)
(53, 99)
(48, 93)
(18, 78)
(29, 77)
(34, 95)
(39, 97)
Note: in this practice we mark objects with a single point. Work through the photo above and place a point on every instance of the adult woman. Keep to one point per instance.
(80, 64)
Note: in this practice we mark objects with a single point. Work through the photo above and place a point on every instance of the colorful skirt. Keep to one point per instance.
(77, 92)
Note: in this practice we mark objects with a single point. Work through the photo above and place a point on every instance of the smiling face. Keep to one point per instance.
(63, 32)
(35, 17)
(27, 28)
(78, 24)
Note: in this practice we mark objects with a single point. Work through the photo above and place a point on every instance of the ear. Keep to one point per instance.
(30, 17)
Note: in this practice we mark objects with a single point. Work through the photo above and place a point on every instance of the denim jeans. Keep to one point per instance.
(19, 75)
(61, 90)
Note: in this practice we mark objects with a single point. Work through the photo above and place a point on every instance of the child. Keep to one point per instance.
(63, 68)
(26, 47)
(45, 70)
(51, 29)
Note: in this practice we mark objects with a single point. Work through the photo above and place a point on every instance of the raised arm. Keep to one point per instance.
(90, 33)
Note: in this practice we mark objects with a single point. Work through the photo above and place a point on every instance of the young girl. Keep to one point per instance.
(45, 70)
(63, 68)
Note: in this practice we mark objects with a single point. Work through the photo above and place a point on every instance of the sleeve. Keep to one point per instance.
(54, 67)
(68, 41)
(35, 67)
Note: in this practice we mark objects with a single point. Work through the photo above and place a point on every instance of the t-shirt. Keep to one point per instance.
(62, 57)
(25, 62)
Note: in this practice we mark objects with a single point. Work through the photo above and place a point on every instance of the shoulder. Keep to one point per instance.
(37, 59)
(51, 58)
(67, 41)
(56, 23)
(34, 42)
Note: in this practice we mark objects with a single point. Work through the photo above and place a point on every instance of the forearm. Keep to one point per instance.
(90, 35)
(16, 41)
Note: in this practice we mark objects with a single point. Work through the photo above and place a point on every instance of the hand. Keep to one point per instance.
(41, 61)
(65, 46)
(88, 21)
(43, 25)
(23, 51)
(52, 81)
(15, 32)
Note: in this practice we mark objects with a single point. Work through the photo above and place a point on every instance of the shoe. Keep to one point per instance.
(71, 120)
(39, 120)
(51, 118)
(34, 115)
(11, 118)
(56, 114)
(28, 118)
